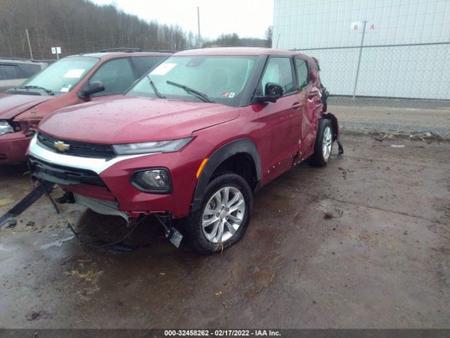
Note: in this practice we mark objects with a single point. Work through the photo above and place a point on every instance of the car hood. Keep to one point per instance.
(13, 105)
(133, 120)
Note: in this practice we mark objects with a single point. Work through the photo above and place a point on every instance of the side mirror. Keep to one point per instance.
(91, 88)
(272, 92)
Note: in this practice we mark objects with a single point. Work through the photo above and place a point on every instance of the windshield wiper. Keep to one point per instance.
(189, 90)
(155, 89)
(21, 90)
(48, 91)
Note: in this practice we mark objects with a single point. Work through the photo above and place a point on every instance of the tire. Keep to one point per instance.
(323, 145)
(202, 237)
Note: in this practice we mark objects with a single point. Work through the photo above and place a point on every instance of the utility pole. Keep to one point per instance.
(278, 40)
(199, 37)
(359, 58)
(29, 43)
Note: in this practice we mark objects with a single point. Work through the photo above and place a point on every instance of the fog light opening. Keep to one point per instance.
(154, 180)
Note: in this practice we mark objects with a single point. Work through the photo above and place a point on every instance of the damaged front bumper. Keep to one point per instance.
(104, 185)
(101, 206)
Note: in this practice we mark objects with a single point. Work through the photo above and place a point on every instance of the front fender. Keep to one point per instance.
(241, 146)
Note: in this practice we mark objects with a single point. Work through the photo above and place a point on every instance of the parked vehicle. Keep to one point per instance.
(71, 80)
(192, 140)
(15, 72)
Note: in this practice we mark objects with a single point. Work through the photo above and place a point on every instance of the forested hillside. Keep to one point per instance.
(79, 26)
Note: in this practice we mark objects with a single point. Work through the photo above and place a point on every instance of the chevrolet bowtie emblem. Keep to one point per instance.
(61, 146)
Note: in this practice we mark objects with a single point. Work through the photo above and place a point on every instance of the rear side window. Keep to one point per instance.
(302, 72)
(28, 70)
(8, 72)
(279, 71)
(116, 75)
(143, 64)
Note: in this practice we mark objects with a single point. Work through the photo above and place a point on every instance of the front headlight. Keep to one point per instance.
(5, 128)
(151, 147)
(155, 180)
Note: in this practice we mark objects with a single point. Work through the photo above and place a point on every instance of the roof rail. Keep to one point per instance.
(14, 58)
(121, 49)
(18, 59)
(166, 51)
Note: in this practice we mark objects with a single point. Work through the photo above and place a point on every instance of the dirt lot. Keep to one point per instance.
(393, 115)
(364, 242)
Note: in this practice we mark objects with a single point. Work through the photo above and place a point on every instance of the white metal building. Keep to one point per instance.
(406, 49)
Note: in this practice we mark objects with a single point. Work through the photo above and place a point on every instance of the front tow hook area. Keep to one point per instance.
(45, 188)
(109, 208)
(172, 234)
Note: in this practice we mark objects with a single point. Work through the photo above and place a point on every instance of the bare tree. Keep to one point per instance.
(79, 26)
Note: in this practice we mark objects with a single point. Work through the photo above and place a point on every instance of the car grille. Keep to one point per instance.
(63, 175)
(78, 148)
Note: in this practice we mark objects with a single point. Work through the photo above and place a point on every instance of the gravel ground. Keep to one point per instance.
(393, 115)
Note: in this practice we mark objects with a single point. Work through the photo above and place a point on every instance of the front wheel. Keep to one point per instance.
(324, 144)
(224, 215)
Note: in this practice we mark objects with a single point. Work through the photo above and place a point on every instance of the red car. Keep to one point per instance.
(70, 81)
(192, 140)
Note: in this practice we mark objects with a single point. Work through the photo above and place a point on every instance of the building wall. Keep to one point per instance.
(407, 51)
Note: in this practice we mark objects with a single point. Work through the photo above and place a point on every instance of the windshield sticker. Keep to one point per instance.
(66, 89)
(229, 95)
(163, 69)
(74, 73)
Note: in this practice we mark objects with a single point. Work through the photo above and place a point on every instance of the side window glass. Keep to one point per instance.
(279, 71)
(116, 75)
(302, 72)
(8, 72)
(28, 70)
(144, 63)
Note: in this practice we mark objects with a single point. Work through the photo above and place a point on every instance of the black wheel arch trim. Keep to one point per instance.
(241, 146)
(334, 123)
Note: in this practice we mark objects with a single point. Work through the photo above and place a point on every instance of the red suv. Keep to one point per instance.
(193, 139)
(70, 81)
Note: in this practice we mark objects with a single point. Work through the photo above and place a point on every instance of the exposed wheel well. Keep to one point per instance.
(241, 164)
(334, 124)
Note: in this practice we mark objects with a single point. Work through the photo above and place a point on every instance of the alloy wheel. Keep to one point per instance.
(223, 214)
(327, 143)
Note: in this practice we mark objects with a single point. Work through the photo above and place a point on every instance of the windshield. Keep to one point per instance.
(64, 74)
(219, 79)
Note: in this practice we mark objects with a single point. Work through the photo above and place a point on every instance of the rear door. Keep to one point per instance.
(310, 106)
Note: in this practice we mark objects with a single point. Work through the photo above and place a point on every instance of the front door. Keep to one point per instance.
(281, 119)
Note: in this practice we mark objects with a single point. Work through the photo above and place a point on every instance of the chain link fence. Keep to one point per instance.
(402, 70)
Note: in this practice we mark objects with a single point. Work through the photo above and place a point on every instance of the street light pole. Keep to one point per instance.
(198, 26)
(29, 43)
(359, 58)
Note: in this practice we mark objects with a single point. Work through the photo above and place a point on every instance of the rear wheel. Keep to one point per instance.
(324, 144)
(224, 215)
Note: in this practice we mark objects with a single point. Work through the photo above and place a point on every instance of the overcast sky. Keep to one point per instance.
(248, 18)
